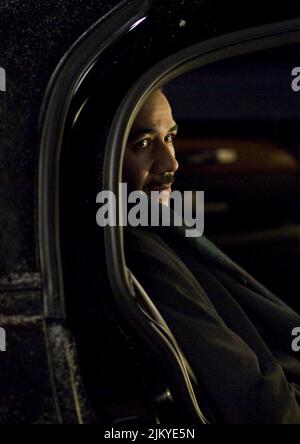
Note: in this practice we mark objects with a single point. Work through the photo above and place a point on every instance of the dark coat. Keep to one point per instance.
(235, 334)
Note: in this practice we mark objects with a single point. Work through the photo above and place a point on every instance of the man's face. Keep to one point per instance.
(149, 162)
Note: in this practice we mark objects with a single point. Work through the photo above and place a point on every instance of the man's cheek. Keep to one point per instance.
(129, 169)
(134, 177)
(139, 173)
(143, 181)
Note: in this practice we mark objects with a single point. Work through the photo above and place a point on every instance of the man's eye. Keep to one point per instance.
(141, 144)
(170, 137)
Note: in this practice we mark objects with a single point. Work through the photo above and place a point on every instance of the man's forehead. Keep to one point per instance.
(150, 125)
(156, 114)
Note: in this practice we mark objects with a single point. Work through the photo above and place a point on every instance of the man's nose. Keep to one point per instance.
(165, 159)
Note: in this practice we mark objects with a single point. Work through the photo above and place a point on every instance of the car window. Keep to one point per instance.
(238, 141)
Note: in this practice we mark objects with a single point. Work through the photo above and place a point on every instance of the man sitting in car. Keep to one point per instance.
(235, 334)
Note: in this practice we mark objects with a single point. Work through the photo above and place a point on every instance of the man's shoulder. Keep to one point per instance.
(150, 247)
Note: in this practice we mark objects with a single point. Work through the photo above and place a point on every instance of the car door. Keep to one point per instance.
(76, 297)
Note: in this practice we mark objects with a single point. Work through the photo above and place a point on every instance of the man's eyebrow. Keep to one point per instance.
(174, 128)
(139, 131)
(136, 132)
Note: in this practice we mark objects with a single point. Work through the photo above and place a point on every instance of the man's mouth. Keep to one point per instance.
(160, 186)
(155, 187)
(166, 187)
(163, 192)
